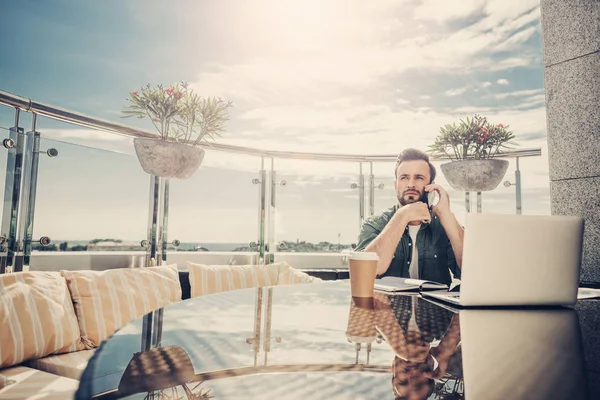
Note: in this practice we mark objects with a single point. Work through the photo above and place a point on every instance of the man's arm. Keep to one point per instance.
(455, 233)
(453, 229)
(386, 242)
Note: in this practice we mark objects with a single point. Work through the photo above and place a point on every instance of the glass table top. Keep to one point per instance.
(316, 341)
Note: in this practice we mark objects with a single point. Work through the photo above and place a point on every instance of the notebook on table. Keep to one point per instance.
(518, 260)
(395, 284)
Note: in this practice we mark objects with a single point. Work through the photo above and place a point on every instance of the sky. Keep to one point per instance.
(324, 76)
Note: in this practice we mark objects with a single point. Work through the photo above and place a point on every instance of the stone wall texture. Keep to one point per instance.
(571, 46)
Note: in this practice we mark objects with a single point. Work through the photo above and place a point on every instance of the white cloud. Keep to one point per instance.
(534, 101)
(360, 62)
(518, 93)
(455, 92)
(516, 39)
(486, 84)
(502, 82)
(442, 10)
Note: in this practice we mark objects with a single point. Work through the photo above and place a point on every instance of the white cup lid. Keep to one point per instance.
(361, 255)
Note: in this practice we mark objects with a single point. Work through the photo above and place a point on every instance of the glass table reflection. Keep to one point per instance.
(316, 341)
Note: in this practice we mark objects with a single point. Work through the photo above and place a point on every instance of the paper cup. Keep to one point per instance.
(363, 270)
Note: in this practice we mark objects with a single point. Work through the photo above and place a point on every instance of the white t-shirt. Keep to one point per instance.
(413, 268)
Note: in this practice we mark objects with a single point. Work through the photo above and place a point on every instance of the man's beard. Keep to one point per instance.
(412, 198)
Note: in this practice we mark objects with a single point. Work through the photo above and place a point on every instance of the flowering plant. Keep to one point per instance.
(178, 113)
(474, 138)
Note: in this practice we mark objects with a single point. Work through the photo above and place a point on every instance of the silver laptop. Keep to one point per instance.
(511, 260)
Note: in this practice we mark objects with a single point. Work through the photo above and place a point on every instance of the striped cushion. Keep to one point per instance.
(36, 317)
(33, 384)
(69, 365)
(107, 300)
(291, 276)
(207, 279)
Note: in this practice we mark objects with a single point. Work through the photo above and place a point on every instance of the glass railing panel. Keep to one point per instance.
(384, 194)
(216, 210)
(535, 183)
(535, 189)
(4, 132)
(3, 157)
(88, 198)
(7, 121)
(317, 211)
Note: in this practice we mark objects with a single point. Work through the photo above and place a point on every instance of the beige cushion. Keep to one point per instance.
(39, 385)
(291, 276)
(36, 317)
(107, 300)
(69, 365)
(208, 279)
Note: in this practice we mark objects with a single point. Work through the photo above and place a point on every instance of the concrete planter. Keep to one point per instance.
(475, 175)
(168, 159)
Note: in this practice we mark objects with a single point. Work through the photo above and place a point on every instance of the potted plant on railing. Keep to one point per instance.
(472, 145)
(183, 119)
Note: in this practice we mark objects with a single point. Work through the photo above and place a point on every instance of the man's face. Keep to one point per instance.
(412, 177)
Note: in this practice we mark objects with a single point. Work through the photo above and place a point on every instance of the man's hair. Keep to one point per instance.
(415, 155)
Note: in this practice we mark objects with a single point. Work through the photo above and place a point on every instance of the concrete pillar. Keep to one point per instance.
(571, 45)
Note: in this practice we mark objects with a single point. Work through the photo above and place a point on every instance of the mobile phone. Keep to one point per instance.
(432, 199)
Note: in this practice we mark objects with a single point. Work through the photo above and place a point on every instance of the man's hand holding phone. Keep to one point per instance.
(443, 205)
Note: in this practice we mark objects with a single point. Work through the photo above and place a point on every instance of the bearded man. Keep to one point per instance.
(412, 239)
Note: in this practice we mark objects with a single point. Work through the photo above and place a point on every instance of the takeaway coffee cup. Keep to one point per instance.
(363, 270)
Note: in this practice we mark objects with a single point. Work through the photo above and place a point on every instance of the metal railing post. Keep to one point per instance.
(30, 176)
(518, 188)
(272, 210)
(262, 204)
(153, 221)
(371, 190)
(361, 196)
(12, 195)
(149, 322)
(164, 226)
(468, 201)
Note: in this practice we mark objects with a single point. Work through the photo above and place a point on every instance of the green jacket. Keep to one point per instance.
(436, 257)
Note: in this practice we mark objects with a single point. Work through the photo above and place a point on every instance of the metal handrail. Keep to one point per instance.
(72, 117)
